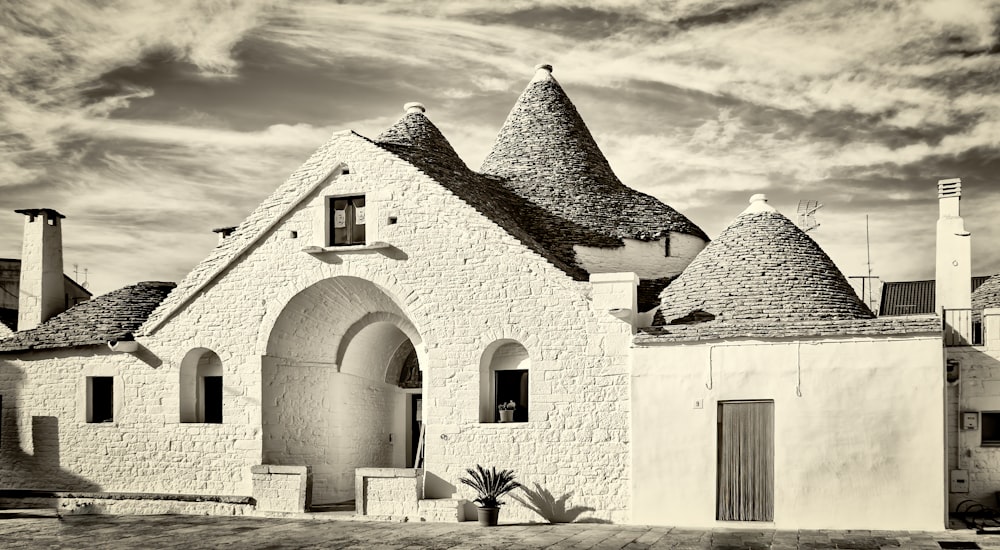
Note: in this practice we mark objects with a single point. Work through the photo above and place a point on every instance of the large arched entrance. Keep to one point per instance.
(341, 385)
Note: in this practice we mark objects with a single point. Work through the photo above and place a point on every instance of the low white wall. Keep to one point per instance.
(861, 448)
(644, 258)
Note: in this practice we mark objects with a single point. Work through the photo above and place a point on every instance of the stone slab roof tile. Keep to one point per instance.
(762, 268)
(773, 329)
(113, 316)
(545, 153)
(987, 294)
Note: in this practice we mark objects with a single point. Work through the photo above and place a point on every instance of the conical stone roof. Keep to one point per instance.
(988, 294)
(545, 153)
(416, 139)
(761, 269)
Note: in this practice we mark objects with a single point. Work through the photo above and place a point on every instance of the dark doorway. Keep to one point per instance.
(746, 461)
(415, 458)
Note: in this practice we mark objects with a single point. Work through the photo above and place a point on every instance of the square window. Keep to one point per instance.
(100, 399)
(512, 385)
(212, 396)
(347, 217)
(989, 423)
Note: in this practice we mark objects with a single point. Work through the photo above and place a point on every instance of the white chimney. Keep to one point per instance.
(42, 293)
(953, 274)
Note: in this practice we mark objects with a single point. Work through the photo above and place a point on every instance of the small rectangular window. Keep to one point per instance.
(100, 399)
(212, 388)
(347, 220)
(989, 425)
(512, 385)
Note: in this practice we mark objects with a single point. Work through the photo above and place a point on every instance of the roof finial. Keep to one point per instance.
(414, 107)
(542, 72)
(758, 203)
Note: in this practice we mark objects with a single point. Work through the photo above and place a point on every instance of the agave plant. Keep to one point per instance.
(490, 485)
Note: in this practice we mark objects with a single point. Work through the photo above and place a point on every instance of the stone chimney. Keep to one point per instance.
(953, 274)
(42, 292)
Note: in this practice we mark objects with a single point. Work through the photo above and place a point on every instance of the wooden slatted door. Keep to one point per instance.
(746, 461)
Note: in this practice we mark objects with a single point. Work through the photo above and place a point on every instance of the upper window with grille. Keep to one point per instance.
(347, 220)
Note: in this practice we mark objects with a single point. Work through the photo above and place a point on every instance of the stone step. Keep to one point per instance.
(442, 510)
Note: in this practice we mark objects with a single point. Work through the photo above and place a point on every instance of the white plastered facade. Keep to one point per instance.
(857, 429)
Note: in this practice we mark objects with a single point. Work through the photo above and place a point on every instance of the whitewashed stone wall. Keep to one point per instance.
(644, 258)
(980, 391)
(47, 443)
(457, 277)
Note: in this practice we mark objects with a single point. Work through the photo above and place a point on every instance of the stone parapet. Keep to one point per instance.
(389, 492)
(282, 488)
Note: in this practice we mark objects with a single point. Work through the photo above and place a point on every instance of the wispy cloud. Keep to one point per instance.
(127, 113)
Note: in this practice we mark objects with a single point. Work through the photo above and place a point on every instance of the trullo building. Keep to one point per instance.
(353, 337)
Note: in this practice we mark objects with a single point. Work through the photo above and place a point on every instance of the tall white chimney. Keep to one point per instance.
(953, 274)
(42, 292)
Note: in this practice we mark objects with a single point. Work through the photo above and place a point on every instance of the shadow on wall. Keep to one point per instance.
(542, 502)
(41, 468)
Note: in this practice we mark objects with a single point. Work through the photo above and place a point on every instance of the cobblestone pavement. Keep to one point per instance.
(40, 530)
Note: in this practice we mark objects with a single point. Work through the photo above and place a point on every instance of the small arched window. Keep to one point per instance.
(503, 383)
(201, 387)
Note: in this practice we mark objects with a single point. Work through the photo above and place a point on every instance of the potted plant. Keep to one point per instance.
(506, 411)
(490, 485)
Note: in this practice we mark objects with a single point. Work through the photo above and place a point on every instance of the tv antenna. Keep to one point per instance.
(76, 275)
(869, 299)
(807, 215)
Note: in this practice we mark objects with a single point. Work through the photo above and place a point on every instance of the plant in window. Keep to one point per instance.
(490, 485)
(506, 411)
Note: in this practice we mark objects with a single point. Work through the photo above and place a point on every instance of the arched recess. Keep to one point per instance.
(331, 396)
(504, 370)
(201, 397)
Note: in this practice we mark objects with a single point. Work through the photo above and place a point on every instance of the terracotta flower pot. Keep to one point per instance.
(506, 416)
(488, 517)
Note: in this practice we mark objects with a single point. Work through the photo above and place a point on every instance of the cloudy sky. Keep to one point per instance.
(149, 123)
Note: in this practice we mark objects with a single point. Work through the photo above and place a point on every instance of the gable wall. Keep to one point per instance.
(460, 280)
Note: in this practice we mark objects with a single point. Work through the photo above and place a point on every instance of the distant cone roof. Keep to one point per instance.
(988, 294)
(762, 268)
(545, 153)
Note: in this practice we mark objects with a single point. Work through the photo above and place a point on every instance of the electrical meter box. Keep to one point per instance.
(959, 481)
(970, 421)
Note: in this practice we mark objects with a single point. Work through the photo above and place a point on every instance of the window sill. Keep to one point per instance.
(499, 424)
(346, 249)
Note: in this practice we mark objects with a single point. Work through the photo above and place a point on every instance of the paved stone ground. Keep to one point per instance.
(45, 530)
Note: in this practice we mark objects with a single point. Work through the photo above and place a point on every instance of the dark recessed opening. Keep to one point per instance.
(293, 234)
(213, 399)
(102, 399)
(393, 220)
(958, 544)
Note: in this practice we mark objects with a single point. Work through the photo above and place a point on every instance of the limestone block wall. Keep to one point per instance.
(977, 390)
(459, 283)
(647, 259)
(858, 446)
(333, 422)
(47, 443)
